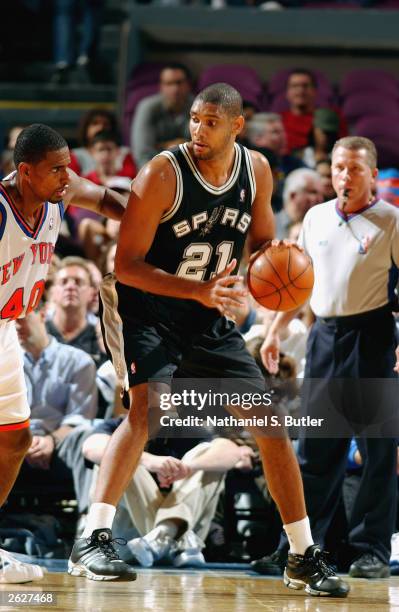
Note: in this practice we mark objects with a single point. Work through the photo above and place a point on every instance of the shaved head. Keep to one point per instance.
(224, 96)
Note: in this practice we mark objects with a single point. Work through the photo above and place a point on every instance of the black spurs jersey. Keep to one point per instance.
(205, 228)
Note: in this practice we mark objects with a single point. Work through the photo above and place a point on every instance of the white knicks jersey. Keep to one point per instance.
(25, 255)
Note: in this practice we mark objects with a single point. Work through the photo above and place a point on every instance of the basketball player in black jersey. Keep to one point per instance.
(181, 238)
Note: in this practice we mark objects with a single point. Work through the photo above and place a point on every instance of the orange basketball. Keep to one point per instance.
(281, 277)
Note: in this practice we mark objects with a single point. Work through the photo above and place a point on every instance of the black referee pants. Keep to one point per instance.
(353, 348)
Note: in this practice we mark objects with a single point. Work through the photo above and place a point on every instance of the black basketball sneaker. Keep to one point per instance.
(313, 572)
(96, 558)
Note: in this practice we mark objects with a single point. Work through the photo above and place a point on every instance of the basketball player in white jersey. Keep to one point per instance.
(32, 204)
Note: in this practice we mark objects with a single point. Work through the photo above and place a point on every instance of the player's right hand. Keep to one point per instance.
(270, 352)
(219, 293)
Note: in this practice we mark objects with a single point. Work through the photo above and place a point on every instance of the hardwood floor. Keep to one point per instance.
(211, 591)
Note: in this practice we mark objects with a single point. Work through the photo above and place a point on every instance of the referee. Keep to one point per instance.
(354, 244)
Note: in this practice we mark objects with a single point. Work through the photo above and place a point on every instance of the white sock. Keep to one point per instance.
(167, 527)
(100, 516)
(299, 536)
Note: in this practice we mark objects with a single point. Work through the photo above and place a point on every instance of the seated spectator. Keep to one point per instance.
(266, 133)
(94, 121)
(174, 492)
(104, 149)
(161, 121)
(298, 120)
(323, 168)
(302, 190)
(68, 318)
(323, 136)
(62, 396)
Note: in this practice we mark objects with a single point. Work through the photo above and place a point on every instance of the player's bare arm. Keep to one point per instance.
(262, 226)
(85, 194)
(153, 194)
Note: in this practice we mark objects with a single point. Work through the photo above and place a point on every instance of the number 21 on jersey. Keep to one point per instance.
(198, 255)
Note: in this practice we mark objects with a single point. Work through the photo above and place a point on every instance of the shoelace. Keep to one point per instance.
(107, 547)
(320, 562)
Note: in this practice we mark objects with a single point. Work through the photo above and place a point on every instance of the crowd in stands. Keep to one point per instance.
(71, 384)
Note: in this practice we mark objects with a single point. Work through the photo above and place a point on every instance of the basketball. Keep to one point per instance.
(281, 277)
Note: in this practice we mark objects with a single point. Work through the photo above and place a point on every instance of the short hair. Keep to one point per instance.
(177, 66)
(305, 71)
(256, 126)
(296, 181)
(223, 95)
(35, 141)
(356, 143)
(105, 136)
(87, 119)
(75, 260)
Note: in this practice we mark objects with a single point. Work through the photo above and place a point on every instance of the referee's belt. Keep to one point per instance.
(357, 320)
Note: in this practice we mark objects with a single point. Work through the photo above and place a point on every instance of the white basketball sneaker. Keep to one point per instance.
(13, 571)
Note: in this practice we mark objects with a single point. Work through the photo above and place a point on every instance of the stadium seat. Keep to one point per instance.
(369, 103)
(243, 78)
(369, 80)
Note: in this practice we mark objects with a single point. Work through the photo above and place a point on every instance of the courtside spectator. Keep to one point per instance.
(68, 320)
(62, 395)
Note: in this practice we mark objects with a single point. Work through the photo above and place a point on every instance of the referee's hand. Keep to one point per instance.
(396, 368)
(270, 352)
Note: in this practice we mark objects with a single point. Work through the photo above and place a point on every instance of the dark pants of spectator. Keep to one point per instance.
(67, 470)
(65, 24)
(351, 355)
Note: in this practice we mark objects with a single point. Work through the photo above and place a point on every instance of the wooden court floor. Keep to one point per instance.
(211, 591)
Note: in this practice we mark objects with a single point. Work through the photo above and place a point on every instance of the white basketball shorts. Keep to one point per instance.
(14, 408)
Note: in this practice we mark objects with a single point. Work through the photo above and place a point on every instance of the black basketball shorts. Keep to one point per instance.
(145, 343)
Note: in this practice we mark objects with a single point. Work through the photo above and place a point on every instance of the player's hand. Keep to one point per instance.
(396, 368)
(270, 352)
(219, 291)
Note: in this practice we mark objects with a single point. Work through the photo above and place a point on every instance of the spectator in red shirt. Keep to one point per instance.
(298, 121)
(105, 151)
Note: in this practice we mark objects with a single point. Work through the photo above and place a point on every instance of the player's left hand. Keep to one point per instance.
(396, 368)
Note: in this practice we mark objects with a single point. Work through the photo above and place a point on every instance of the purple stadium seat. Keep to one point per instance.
(243, 78)
(378, 127)
(143, 82)
(144, 74)
(361, 80)
(370, 103)
(388, 152)
(132, 99)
